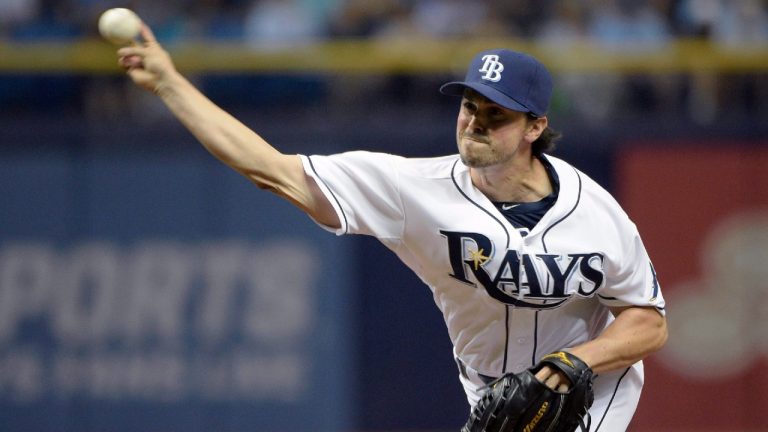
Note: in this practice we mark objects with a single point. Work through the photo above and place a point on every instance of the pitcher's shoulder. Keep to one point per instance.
(440, 167)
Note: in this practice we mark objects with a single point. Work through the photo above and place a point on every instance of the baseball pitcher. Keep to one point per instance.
(549, 296)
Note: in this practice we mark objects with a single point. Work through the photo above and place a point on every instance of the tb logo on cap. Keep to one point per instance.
(491, 67)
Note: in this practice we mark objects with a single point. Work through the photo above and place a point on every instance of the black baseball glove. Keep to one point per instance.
(521, 403)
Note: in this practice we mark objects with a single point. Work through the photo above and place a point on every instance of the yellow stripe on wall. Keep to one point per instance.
(385, 57)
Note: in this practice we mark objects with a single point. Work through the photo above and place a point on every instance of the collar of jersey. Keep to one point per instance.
(567, 199)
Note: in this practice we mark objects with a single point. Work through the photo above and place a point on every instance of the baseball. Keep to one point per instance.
(119, 25)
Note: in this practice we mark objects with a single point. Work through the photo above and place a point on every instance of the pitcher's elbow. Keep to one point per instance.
(662, 335)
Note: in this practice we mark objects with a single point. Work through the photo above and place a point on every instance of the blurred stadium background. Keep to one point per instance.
(145, 287)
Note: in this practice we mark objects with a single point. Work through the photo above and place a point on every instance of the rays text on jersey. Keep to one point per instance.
(540, 281)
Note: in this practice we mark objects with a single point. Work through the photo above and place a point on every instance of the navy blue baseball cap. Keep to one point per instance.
(514, 80)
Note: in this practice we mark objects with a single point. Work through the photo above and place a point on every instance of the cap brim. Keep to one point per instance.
(456, 88)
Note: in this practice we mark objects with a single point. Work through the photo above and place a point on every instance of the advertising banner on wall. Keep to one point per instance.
(702, 209)
(161, 293)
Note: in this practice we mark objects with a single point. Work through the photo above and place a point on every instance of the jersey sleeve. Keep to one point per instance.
(633, 282)
(363, 189)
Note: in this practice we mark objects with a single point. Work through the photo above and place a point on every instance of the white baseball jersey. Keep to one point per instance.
(507, 299)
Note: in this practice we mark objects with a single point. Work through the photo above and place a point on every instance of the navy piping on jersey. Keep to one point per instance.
(544, 245)
(506, 326)
(615, 390)
(655, 281)
(453, 178)
(578, 200)
(312, 165)
(507, 313)
(535, 337)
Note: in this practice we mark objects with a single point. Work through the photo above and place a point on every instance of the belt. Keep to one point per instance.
(469, 373)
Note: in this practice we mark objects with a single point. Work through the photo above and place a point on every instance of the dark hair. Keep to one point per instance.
(546, 142)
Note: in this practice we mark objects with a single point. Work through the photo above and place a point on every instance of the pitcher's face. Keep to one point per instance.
(489, 134)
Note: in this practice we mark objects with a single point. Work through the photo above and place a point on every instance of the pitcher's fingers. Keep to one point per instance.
(553, 381)
(133, 50)
(146, 34)
(130, 62)
(543, 374)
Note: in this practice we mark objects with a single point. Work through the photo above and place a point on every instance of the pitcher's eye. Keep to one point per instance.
(469, 106)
